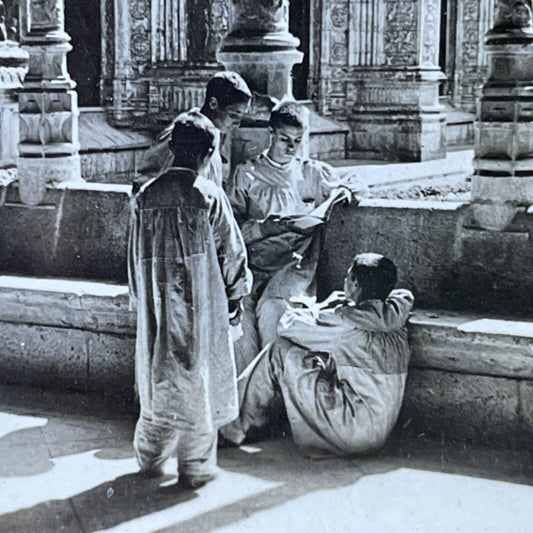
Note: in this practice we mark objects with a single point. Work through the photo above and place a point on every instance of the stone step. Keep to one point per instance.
(457, 165)
(108, 154)
(471, 377)
(327, 138)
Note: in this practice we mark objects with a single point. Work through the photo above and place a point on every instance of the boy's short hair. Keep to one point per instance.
(228, 88)
(193, 137)
(375, 274)
(288, 114)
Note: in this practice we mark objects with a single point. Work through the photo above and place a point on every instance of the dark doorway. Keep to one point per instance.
(82, 23)
(299, 26)
(448, 23)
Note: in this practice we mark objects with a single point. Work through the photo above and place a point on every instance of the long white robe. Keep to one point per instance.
(187, 259)
(284, 263)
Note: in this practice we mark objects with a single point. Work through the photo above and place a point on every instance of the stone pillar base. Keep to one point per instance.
(266, 72)
(502, 187)
(395, 115)
(36, 172)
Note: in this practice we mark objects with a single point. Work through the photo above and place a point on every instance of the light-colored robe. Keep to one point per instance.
(341, 373)
(187, 259)
(283, 264)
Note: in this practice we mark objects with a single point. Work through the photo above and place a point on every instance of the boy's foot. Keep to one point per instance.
(194, 481)
(151, 473)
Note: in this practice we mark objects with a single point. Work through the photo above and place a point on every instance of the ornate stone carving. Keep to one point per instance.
(3, 27)
(430, 32)
(261, 16)
(261, 48)
(47, 14)
(48, 105)
(514, 16)
(13, 67)
(502, 188)
(400, 33)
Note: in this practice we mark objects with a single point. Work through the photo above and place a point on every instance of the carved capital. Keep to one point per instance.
(261, 16)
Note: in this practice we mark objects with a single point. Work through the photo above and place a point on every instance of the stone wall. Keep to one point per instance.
(81, 233)
(76, 232)
(446, 264)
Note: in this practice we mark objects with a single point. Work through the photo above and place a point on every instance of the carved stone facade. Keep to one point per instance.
(48, 108)
(13, 67)
(502, 188)
(376, 67)
(261, 48)
(466, 60)
(155, 60)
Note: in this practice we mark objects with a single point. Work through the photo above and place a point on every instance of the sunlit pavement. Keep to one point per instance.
(67, 465)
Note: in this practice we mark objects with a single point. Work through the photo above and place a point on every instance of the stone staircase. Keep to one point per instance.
(471, 377)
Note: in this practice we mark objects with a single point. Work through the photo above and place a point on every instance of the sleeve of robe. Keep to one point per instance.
(389, 316)
(231, 249)
(238, 197)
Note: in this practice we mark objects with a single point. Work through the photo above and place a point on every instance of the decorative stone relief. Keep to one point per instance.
(48, 105)
(430, 25)
(514, 15)
(261, 16)
(502, 187)
(400, 39)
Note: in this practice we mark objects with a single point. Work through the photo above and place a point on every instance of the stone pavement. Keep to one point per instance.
(66, 465)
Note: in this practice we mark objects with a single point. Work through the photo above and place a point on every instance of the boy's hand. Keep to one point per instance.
(334, 299)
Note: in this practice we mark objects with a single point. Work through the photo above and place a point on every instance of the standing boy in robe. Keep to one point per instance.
(339, 366)
(187, 271)
(227, 100)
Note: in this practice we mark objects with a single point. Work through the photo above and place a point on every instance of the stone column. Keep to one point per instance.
(379, 72)
(502, 187)
(48, 104)
(13, 67)
(261, 48)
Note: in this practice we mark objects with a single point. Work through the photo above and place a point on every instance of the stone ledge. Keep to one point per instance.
(472, 344)
(470, 377)
(64, 303)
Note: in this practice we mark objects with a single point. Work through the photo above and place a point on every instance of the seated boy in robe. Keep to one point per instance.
(339, 366)
(280, 201)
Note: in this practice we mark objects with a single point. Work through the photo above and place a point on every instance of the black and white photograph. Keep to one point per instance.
(266, 266)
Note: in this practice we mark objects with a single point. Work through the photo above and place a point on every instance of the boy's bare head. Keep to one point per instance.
(287, 125)
(227, 100)
(193, 141)
(371, 277)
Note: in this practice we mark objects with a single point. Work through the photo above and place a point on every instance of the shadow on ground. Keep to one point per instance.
(49, 429)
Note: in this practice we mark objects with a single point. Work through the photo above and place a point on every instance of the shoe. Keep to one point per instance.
(194, 481)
